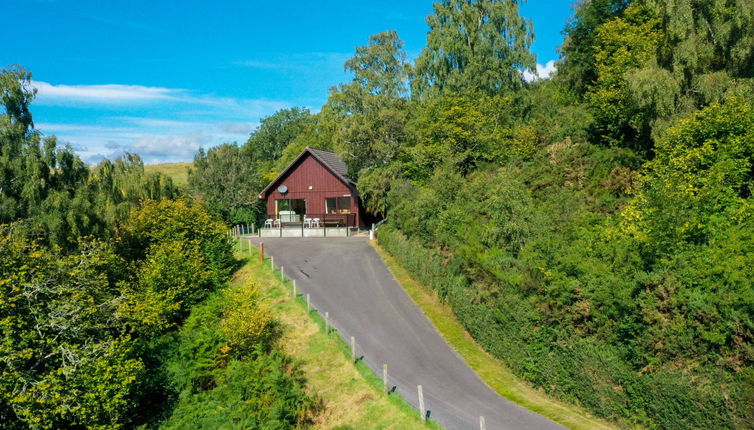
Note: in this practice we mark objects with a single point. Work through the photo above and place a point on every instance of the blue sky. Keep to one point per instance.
(162, 78)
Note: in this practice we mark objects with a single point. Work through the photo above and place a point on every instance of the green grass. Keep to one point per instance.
(177, 171)
(492, 371)
(351, 393)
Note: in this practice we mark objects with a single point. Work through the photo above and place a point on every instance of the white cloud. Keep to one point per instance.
(542, 72)
(160, 124)
(236, 127)
(109, 93)
(157, 149)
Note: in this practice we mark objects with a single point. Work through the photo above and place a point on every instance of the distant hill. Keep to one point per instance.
(177, 171)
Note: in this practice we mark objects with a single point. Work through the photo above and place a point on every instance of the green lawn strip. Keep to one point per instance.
(491, 370)
(395, 413)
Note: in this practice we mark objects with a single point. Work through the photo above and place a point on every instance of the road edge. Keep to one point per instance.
(492, 371)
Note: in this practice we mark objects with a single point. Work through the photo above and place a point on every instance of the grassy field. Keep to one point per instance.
(492, 371)
(351, 394)
(177, 171)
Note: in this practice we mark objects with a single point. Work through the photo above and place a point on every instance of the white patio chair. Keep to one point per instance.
(315, 222)
(268, 223)
(276, 223)
(307, 222)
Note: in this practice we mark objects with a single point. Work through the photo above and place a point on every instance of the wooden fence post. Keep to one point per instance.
(261, 251)
(282, 273)
(248, 242)
(272, 262)
(482, 424)
(294, 289)
(353, 349)
(421, 404)
(308, 303)
(384, 377)
(327, 322)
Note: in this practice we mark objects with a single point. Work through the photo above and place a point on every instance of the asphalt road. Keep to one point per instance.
(347, 278)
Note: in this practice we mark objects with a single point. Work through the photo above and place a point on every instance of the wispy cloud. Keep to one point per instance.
(109, 93)
(542, 72)
(298, 61)
(160, 124)
(236, 127)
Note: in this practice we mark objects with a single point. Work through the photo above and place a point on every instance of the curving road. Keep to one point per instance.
(347, 278)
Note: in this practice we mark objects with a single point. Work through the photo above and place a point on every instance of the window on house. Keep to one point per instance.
(338, 205)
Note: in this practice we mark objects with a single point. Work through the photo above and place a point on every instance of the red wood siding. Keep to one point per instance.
(309, 172)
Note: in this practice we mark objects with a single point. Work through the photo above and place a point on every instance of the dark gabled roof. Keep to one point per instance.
(329, 160)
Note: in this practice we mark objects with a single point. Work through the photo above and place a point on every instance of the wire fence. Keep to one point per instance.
(400, 384)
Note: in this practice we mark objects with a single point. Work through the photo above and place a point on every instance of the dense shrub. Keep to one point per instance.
(582, 369)
(227, 371)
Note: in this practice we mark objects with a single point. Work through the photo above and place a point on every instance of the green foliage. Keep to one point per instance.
(623, 44)
(247, 324)
(372, 109)
(464, 131)
(79, 330)
(227, 178)
(183, 224)
(48, 190)
(227, 371)
(275, 132)
(480, 45)
(577, 69)
(702, 173)
(65, 350)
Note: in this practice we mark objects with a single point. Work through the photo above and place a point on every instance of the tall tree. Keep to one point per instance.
(475, 44)
(275, 132)
(228, 178)
(577, 68)
(371, 109)
(381, 67)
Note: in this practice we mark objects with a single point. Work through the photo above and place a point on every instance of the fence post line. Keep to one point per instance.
(481, 423)
(327, 322)
(384, 377)
(421, 404)
(248, 242)
(308, 303)
(294, 289)
(261, 251)
(353, 349)
(282, 273)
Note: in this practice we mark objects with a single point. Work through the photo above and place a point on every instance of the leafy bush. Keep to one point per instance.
(227, 371)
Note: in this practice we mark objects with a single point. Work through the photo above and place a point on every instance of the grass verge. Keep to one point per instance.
(492, 371)
(352, 394)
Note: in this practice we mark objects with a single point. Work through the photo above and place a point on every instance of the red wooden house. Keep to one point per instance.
(314, 186)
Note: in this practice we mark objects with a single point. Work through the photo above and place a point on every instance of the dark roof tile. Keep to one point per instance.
(332, 160)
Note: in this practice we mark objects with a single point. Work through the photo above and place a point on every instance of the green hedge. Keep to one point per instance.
(581, 370)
